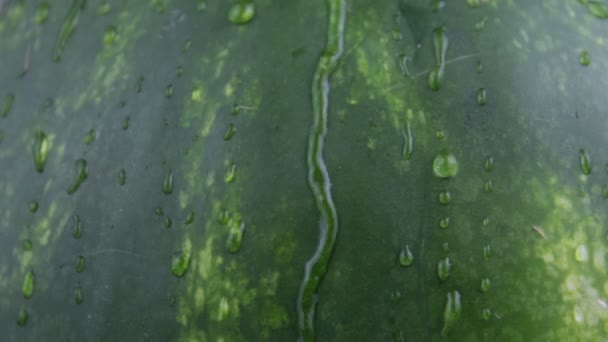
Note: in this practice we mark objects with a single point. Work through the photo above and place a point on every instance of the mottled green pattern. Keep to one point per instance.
(528, 259)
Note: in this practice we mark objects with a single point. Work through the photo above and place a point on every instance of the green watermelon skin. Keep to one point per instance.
(544, 219)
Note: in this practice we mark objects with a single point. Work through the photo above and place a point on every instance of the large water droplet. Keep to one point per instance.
(584, 58)
(235, 237)
(42, 12)
(452, 312)
(445, 197)
(443, 268)
(445, 165)
(78, 295)
(241, 12)
(77, 227)
(481, 96)
(485, 285)
(180, 263)
(80, 175)
(444, 223)
(80, 263)
(585, 162)
(22, 317)
(28, 285)
(67, 28)
(41, 150)
(406, 258)
(168, 183)
(230, 131)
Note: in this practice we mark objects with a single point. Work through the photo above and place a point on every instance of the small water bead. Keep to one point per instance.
(27, 289)
(444, 223)
(189, 218)
(235, 237)
(241, 12)
(486, 314)
(159, 211)
(486, 221)
(22, 317)
(76, 227)
(104, 8)
(80, 263)
(474, 3)
(487, 252)
(125, 123)
(585, 58)
(445, 197)
(110, 35)
(479, 67)
(446, 247)
(186, 45)
(169, 91)
(443, 268)
(33, 206)
(605, 191)
(122, 177)
(445, 165)
(231, 173)
(180, 71)
(8, 104)
(40, 150)
(488, 164)
(406, 258)
(437, 5)
(481, 96)
(80, 175)
(435, 78)
(452, 312)
(395, 296)
(581, 254)
(485, 285)
(90, 137)
(487, 186)
(78, 295)
(230, 131)
(168, 222)
(201, 5)
(585, 161)
(180, 263)
(223, 216)
(168, 183)
(42, 12)
(480, 24)
(138, 84)
(27, 245)
(440, 134)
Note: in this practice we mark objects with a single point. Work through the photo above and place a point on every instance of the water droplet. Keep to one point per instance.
(8, 104)
(241, 12)
(445, 197)
(235, 237)
(486, 314)
(605, 191)
(408, 140)
(397, 36)
(169, 91)
(445, 165)
(581, 254)
(440, 43)
(486, 221)
(78, 295)
(201, 5)
(440, 134)
(22, 317)
(444, 223)
(473, 3)
(443, 268)
(180, 263)
(189, 218)
(159, 211)
(481, 96)
(67, 28)
(77, 227)
(395, 296)
(437, 5)
(229, 132)
(231, 174)
(168, 222)
(41, 150)
(125, 123)
(223, 216)
(138, 84)
(104, 8)
(487, 252)
(480, 24)
(168, 183)
(122, 177)
(488, 164)
(585, 162)
(42, 12)
(80, 175)
(406, 258)
(109, 37)
(28, 285)
(584, 58)
(446, 247)
(479, 67)
(180, 71)
(487, 186)
(27, 245)
(90, 137)
(79, 264)
(485, 285)
(452, 312)
(33, 206)
(186, 45)
(597, 8)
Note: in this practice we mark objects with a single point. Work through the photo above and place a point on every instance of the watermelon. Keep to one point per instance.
(329, 170)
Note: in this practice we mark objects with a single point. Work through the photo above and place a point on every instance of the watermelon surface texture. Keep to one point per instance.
(319, 170)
